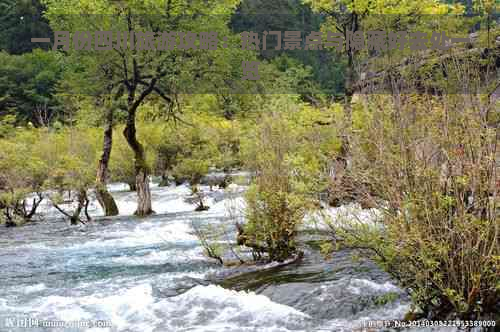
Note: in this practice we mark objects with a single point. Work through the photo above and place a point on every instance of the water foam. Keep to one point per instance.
(202, 308)
(35, 288)
(213, 305)
(351, 213)
(360, 286)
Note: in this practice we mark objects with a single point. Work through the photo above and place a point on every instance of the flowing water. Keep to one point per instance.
(151, 275)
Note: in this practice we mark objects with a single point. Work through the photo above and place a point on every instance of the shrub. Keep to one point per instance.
(432, 165)
(287, 174)
(71, 159)
(22, 172)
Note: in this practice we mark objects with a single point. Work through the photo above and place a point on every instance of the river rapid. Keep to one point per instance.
(151, 274)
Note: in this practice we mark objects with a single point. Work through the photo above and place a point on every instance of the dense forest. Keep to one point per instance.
(412, 134)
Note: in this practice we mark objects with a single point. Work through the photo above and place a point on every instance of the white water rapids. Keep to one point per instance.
(149, 275)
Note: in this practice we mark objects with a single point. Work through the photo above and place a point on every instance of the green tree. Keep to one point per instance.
(139, 74)
(284, 15)
(20, 20)
(28, 83)
(347, 16)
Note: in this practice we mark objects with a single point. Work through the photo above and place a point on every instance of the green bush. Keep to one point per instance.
(432, 165)
(287, 167)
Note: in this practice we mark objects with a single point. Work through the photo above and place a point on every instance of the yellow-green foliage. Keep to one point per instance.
(121, 164)
(288, 153)
(186, 148)
(33, 160)
(199, 146)
(433, 165)
(22, 171)
(22, 165)
(71, 158)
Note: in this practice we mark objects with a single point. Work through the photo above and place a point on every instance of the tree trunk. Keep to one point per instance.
(105, 199)
(131, 184)
(141, 169)
(349, 92)
(349, 88)
(143, 192)
(83, 202)
(164, 182)
(82, 205)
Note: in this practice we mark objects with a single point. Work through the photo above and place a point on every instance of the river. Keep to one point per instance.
(151, 274)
